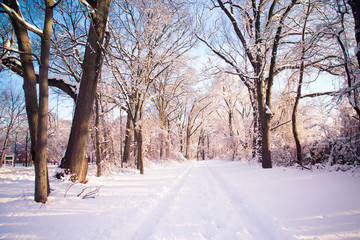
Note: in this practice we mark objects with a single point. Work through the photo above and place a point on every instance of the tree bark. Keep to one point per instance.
(75, 158)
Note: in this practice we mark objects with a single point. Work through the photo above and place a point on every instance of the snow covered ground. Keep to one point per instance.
(193, 200)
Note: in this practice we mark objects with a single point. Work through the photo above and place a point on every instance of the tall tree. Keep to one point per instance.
(299, 87)
(75, 155)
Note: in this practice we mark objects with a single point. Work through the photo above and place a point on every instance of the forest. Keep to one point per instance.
(269, 81)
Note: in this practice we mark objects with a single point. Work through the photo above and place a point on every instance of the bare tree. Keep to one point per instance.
(149, 37)
(195, 118)
(259, 26)
(168, 92)
(12, 111)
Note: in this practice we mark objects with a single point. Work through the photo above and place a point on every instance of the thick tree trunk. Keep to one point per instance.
(75, 158)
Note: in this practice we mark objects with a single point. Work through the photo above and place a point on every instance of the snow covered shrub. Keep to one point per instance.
(342, 150)
(283, 156)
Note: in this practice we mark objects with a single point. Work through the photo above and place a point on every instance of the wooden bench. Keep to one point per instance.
(9, 159)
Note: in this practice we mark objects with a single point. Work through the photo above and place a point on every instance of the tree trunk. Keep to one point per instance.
(181, 140)
(299, 158)
(15, 149)
(187, 142)
(42, 188)
(26, 164)
(162, 135)
(121, 139)
(75, 158)
(353, 98)
(168, 141)
(128, 138)
(140, 153)
(264, 127)
(294, 129)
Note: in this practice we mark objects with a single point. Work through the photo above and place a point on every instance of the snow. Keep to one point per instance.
(192, 200)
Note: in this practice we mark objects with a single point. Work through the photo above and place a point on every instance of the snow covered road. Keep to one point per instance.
(193, 200)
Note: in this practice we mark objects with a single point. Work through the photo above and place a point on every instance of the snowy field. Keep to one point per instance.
(192, 200)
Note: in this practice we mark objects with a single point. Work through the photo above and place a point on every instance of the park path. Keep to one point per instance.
(196, 203)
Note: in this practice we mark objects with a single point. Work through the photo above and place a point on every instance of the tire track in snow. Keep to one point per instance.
(260, 225)
(146, 228)
(140, 225)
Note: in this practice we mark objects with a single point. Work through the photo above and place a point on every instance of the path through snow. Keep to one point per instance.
(194, 200)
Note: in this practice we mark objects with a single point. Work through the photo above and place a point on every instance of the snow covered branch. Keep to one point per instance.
(60, 82)
(20, 19)
(318, 94)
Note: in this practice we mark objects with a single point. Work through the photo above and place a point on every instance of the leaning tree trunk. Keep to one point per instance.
(75, 155)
